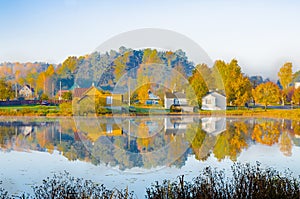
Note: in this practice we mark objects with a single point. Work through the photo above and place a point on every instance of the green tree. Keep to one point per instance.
(6, 91)
(67, 96)
(266, 93)
(44, 97)
(285, 76)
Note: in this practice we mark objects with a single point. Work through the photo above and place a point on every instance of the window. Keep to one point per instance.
(109, 100)
(176, 101)
(208, 101)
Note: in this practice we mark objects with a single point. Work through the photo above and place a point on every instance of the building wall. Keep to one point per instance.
(26, 92)
(218, 102)
(297, 85)
(170, 101)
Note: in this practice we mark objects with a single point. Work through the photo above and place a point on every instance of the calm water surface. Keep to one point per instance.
(137, 151)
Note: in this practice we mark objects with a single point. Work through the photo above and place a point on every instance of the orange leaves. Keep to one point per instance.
(266, 133)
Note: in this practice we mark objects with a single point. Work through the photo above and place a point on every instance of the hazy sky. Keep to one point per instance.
(260, 35)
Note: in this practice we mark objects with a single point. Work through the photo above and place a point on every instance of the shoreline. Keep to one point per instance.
(293, 114)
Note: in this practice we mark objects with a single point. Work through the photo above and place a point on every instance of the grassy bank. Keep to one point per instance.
(65, 109)
(246, 182)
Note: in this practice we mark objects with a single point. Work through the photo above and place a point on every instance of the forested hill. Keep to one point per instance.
(106, 69)
(103, 69)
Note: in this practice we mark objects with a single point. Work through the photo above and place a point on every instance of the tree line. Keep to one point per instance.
(107, 70)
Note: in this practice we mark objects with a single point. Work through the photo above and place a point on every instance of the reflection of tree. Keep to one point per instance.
(296, 127)
(286, 144)
(231, 142)
(6, 134)
(196, 136)
(143, 139)
(266, 132)
(102, 152)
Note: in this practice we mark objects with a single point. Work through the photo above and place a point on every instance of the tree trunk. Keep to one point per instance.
(265, 107)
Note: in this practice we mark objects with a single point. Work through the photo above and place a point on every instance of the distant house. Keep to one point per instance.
(177, 99)
(214, 125)
(152, 99)
(27, 92)
(297, 85)
(78, 92)
(214, 101)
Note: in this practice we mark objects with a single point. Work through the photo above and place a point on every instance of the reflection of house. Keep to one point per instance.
(178, 99)
(26, 130)
(214, 125)
(106, 129)
(27, 92)
(175, 125)
(214, 101)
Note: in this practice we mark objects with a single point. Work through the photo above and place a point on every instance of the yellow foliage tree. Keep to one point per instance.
(266, 93)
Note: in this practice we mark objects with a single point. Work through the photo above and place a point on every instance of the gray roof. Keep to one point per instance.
(177, 95)
(214, 93)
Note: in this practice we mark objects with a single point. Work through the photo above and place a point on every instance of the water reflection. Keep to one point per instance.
(148, 142)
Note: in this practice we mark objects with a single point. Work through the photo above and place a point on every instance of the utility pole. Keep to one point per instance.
(128, 91)
(16, 89)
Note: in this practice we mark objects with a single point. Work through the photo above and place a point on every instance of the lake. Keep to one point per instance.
(134, 152)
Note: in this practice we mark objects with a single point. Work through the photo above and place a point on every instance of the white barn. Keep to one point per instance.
(214, 101)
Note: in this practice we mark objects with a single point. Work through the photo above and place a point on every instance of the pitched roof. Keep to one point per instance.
(177, 95)
(78, 92)
(214, 93)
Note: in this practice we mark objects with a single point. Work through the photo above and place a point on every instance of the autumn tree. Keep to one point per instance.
(151, 56)
(285, 76)
(266, 93)
(41, 82)
(120, 65)
(296, 96)
(198, 88)
(237, 85)
(207, 74)
(67, 96)
(6, 91)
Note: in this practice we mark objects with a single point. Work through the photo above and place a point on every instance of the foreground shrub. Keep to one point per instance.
(246, 182)
(3, 193)
(66, 186)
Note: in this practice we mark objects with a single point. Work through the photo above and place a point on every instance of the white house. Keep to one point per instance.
(27, 92)
(214, 101)
(214, 125)
(297, 85)
(177, 98)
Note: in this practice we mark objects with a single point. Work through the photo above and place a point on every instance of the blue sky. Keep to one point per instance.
(260, 35)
